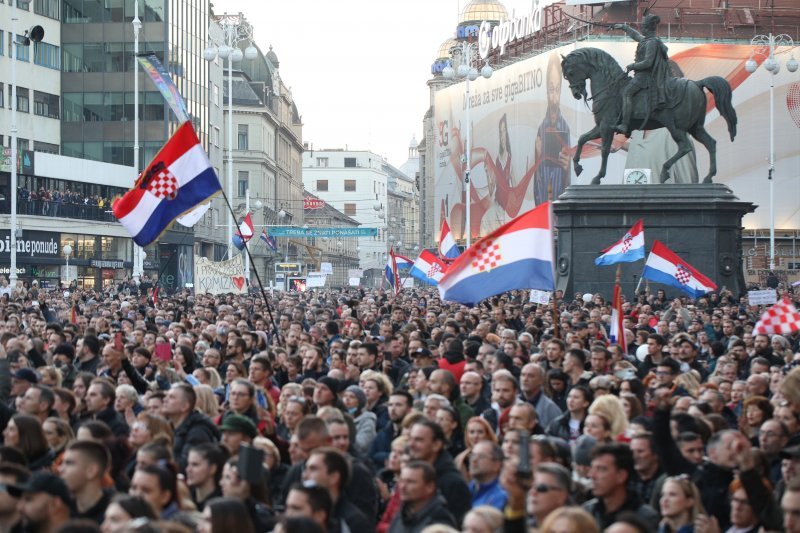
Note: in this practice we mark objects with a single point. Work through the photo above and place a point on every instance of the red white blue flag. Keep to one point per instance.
(517, 255)
(628, 249)
(428, 268)
(665, 266)
(179, 178)
(447, 244)
(245, 232)
(617, 332)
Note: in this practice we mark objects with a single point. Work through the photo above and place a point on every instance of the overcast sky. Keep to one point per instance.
(357, 68)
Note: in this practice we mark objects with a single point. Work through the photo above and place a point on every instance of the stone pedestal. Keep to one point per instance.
(701, 223)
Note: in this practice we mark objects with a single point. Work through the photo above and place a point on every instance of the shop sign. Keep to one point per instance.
(33, 244)
(516, 28)
(310, 202)
(111, 263)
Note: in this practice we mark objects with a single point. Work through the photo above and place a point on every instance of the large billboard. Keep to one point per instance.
(525, 125)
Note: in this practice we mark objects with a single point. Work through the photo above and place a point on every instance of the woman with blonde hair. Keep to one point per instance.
(610, 407)
(569, 519)
(483, 519)
(680, 504)
(690, 382)
(207, 401)
(50, 376)
(58, 433)
(478, 429)
(377, 389)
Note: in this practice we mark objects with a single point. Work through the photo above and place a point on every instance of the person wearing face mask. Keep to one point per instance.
(355, 402)
(63, 358)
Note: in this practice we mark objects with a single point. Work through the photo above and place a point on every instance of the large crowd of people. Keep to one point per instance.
(360, 411)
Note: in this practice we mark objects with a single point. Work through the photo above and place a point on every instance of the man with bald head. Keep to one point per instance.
(532, 391)
(471, 388)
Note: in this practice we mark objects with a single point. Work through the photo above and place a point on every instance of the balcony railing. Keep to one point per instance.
(52, 209)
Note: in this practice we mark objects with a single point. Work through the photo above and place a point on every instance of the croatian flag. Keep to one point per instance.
(269, 240)
(428, 268)
(628, 249)
(245, 233)
(616, 333)
(447, 244)
(517, 255)
(179, 178)
(392, 272)
(403, 262)
(664, 266)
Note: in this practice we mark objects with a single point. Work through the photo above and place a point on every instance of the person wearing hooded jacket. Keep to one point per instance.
(191, 427)
(355, 401)
(453, 359)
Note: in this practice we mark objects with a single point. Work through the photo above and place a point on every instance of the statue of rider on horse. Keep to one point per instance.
(651, 70)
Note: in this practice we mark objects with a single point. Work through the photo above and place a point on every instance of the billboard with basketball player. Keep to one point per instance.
(525, 124)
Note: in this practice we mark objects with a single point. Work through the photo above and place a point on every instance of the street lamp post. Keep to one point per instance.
(467, 71)
(138, 252)
(235, 31)
(764, 47)
(67, 249)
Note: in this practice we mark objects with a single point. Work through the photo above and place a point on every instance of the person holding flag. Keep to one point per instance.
(665, 266)
(629, 249)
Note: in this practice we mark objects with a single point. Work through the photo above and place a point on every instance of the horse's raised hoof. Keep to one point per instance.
(578, 169)
(596, 180)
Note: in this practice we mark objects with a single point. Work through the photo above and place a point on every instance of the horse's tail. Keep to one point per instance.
(722, 92)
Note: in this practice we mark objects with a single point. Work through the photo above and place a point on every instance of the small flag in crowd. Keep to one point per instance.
(447, 244)
(428, 268)
(617, 332)
(392, 272)
(780, 319)
(628, 249)
(179, 178)
(665, 266)
(517, 255)
(245, 233)
(269, 240)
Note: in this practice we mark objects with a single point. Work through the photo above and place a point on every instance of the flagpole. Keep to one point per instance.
(255, 271)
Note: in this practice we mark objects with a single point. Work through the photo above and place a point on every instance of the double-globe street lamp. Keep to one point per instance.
(764, 47)
(462, 58)
(235, 30)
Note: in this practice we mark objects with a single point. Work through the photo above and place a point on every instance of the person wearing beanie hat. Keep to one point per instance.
(326, 392)
(237, 429)
(365, 420)
(453, 359)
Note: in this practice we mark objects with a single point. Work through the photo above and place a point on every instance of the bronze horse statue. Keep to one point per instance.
(685, 114)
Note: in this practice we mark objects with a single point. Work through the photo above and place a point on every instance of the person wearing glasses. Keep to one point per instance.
(550, 491)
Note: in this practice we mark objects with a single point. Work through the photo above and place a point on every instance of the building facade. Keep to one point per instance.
(357, 184)
(340, 253)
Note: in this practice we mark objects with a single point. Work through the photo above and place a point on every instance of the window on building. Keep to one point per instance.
(350, 210)
(243, 183)
(322, 162)
(215, 136)
(47, 55)
(243, 134)
(47, 148)
(23, 52)
(2, 95)
(349, 185)
(350, 162)
(47, 8)
(215, 95)
(2, 42)
(322, 185)
(46, 104)
(23, 99)
(22, 144)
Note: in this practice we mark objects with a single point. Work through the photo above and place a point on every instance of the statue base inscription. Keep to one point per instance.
(702, 223)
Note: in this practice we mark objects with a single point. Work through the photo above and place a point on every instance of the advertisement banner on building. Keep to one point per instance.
(32, 244)
(223, 277)
(525, 124)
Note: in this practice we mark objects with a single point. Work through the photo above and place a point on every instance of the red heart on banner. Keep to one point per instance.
(238, 281)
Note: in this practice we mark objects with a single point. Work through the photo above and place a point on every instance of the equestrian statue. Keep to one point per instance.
(653, 98)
